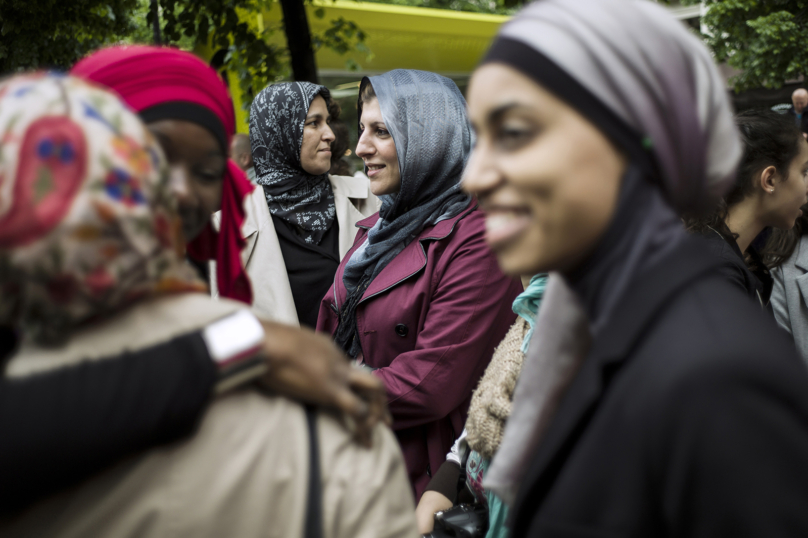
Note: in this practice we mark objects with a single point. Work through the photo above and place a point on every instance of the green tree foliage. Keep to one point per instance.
(55, 33)
(230, 26)
(218, 24)
(766, 40)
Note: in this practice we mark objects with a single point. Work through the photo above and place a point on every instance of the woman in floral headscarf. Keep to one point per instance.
(91, 260)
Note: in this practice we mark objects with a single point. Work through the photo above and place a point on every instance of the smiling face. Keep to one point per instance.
(377, 148)
(546, 178)
(197, 164)
(315, 150)
(787, 196)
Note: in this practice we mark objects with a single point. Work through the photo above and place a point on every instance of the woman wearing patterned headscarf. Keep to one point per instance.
(655, 399)
(91, 260)
(419, 299)
(308, 216)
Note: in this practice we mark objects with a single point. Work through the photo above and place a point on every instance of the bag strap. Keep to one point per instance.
(314, 504)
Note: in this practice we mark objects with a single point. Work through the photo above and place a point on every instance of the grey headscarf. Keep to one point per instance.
(651, 87)
(277, 117)
(425, 114)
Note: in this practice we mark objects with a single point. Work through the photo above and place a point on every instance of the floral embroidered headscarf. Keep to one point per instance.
(87, 225)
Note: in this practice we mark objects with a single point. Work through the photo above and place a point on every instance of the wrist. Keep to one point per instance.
(235, 344)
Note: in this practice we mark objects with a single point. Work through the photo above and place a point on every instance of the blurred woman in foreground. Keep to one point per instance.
(660, 401)
(92, 265)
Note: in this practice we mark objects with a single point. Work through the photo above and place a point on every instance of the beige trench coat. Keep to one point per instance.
(243, 474)
(262, 258)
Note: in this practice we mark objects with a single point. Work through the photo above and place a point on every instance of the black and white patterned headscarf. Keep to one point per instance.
(277, 117)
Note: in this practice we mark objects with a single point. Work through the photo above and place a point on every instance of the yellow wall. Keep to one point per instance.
(444, 41)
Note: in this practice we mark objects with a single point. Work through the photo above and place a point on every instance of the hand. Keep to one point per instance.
(308, 367)
(431, 502)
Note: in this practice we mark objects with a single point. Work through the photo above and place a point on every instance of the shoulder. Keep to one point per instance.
(351, 187)
(468, 225)
(719, 247)
(256, 212)
(731, 265)
(713, 338)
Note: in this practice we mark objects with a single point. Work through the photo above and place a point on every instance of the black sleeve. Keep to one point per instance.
(61, 427)
(445, 480)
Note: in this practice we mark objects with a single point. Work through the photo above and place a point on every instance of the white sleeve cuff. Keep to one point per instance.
(234, 343)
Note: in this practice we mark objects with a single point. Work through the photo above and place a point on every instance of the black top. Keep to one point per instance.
(311, 268)
(61, 427)
(688, 418)
(752, 280)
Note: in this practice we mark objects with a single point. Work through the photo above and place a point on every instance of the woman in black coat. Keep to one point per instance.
(656, 399)
(768, 192)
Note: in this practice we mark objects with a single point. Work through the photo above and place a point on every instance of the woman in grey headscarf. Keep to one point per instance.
(419, 298)
(655, 399)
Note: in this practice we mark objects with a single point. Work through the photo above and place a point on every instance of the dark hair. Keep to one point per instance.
(366, 93)
(339, 146)
(769, 139)
(334, 110)
(781, 243)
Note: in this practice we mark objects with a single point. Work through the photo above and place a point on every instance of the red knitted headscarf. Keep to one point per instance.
(152, 78)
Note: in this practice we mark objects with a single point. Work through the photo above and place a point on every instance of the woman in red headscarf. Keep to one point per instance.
(186, 105)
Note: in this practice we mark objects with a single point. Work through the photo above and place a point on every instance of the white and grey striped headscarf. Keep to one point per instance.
(633, 60)
(650, 86)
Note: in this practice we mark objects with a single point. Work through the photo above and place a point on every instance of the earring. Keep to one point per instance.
(771, 191)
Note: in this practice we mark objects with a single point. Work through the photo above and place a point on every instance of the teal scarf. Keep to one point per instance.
(527, 303)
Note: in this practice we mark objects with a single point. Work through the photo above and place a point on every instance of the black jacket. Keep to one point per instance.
(688, 418)
(756, 284)
(54, 432)
(803, 126)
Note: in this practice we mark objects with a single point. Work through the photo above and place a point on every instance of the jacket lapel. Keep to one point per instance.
(634, 314)
(413, 258)
(801, 260)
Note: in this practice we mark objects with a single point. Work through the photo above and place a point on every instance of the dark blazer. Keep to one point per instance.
(803, 126)
(688, 418)
(756, 284)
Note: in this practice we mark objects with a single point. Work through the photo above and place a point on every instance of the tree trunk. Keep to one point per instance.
(298, 37)
(156, 23)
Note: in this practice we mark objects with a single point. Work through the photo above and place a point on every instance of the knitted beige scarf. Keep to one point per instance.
(492, 400)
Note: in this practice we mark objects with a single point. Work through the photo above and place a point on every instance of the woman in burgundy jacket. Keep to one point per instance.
(419, 299)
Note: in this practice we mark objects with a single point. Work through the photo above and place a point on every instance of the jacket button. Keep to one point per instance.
(402, 330)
